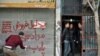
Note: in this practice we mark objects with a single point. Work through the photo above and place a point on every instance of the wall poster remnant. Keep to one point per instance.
(27, 3)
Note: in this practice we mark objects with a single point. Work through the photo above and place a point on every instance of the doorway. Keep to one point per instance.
(75, 20)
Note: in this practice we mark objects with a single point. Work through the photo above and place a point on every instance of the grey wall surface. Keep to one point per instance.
(22, 15)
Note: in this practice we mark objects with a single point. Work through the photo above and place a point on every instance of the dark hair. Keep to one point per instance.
(21, 33)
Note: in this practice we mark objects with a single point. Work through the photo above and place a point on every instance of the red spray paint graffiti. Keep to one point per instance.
(34, 37)
(30, 25)
(6, 26)
(40, 48)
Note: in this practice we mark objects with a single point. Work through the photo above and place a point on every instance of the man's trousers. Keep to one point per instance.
(9, 52)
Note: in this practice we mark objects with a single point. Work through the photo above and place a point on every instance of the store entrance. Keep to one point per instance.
(71, 38)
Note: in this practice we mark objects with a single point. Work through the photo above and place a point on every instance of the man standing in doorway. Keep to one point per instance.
(12, 42)
(72, 39)
(65, 36)
(69, 39)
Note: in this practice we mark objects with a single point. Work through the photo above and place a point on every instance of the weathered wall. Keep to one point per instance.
(35, 38)
(58, 27)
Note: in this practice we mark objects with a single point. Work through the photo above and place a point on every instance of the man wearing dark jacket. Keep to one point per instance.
(65, 36)
(72, 39)
(12, 42)
(69, 40)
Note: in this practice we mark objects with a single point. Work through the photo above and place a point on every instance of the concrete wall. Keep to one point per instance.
(35, 36)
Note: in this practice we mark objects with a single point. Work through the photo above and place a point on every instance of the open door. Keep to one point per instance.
(77, 42)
